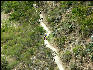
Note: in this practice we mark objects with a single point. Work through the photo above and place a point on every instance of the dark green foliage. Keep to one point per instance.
(61, 42)
(4, 63)
(9, 6)
(89, 48)
(77, 50)
(84, 14)
(24, 41)
(21, 11)
(66, 4)
(67, 56)
(73, 66)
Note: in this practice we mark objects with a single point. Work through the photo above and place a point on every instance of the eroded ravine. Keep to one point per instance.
(56, 57)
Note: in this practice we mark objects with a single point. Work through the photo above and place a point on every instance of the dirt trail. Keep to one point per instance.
(56, 57)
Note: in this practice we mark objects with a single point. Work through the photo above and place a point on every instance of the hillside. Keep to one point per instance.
(46, 35)
(23, 45)
(71, 24)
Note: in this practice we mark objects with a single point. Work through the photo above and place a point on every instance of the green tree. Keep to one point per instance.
(67, 56)
(76, 51)
(4, 63)
(73, 66)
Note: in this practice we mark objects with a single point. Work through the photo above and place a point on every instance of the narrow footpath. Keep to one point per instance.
(56, 57)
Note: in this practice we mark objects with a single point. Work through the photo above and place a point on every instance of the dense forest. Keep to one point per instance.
(22, 37)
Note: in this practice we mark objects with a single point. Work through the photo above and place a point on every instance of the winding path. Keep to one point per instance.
(56, 57)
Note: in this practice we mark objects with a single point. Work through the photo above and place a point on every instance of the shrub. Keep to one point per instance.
(4, 64)
(67, 56)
